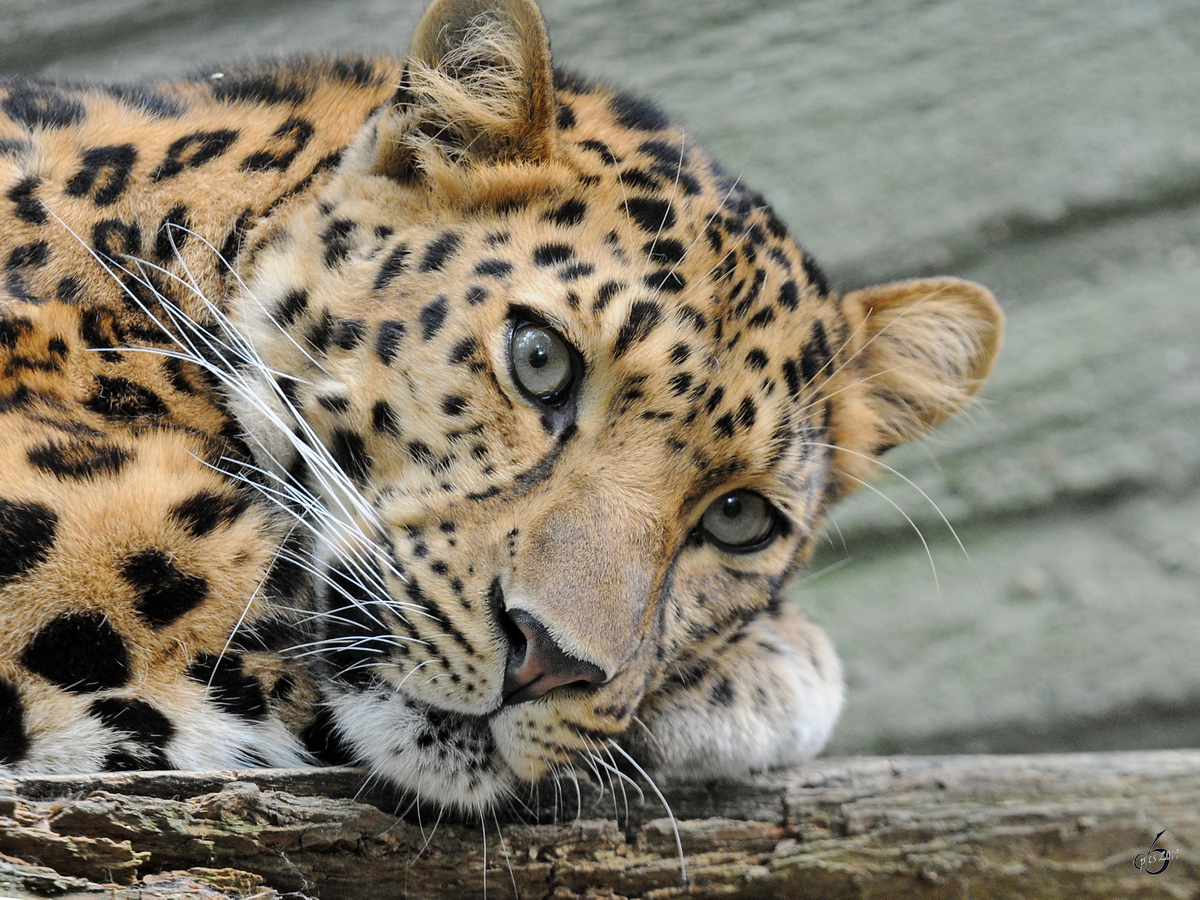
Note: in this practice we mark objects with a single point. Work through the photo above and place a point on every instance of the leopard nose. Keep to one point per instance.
(536, 664)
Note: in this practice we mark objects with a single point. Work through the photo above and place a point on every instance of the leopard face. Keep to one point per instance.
(582, 403)
(453, 417)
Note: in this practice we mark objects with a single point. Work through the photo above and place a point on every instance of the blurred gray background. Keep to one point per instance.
(1047, 148)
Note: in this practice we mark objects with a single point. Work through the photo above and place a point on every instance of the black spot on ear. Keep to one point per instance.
(79, 652)
(439, 251)
(433, 316)
(27, 532)
(286, 143)
(395, 263)
(566, 117)
(103, 174)
(193, 150)
(164, 591)
(119, 398)
(350, 453)
(41, 106)
(291, 307)
(14, 742)
(650, 214)
(79, 459)
(644, 317)
(204, 511)
(634, 112)
(141, 722)
(229, 686)
(28, 207)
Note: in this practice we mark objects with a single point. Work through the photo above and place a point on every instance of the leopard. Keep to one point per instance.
(452, 415)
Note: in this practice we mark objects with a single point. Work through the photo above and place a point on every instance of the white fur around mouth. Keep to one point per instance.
(443, 758)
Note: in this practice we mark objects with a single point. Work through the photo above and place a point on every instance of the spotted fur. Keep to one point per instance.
(273, 489)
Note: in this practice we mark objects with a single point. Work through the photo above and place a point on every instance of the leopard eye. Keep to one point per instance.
(541, 362)
(740, 521)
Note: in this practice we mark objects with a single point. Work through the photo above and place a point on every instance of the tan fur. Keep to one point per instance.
(389, 227)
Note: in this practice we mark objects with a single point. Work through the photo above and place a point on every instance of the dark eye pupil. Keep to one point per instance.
(732, 507)
(539, 357)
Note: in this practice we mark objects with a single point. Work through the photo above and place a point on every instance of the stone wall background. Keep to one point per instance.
(1047, 148)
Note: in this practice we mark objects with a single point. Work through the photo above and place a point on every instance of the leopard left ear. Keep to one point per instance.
(918, 351)
(478, 87)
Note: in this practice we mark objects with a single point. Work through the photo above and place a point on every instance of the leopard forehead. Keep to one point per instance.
(698, 321)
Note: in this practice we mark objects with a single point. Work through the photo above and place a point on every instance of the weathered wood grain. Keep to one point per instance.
(918, 827)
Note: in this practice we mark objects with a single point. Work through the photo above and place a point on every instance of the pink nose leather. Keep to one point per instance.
(537, 665)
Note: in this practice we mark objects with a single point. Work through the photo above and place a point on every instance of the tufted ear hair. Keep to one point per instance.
(478, 86)
(922, 349)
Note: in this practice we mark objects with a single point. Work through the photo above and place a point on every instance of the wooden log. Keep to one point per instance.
(1033, 827)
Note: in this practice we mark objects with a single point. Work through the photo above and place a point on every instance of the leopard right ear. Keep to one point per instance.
(478, 87)
(919, 350)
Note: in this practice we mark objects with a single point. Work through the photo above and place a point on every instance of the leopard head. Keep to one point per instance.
(561, 406)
